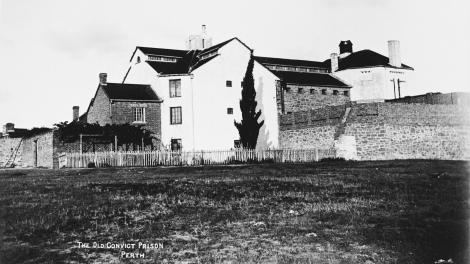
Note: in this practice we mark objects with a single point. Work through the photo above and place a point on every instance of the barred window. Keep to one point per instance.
(139, 114)
(175, 88)
(175, 115)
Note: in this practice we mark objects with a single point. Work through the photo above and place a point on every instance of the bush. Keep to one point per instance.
(91, 165)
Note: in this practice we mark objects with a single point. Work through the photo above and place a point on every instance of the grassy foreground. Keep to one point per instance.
(329, 212)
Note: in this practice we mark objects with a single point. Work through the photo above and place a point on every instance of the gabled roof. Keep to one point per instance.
(138, 92)
(311, 79)
(188, 60)
(289, 62)
(364, 58)
(163, 52)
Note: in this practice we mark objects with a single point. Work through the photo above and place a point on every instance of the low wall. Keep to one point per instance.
(384, 130)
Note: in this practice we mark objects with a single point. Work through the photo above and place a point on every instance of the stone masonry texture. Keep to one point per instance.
(384, 130)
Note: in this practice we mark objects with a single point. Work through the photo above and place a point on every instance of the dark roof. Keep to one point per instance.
(163, 52)
(217, 46)
(313, 79)
(181, 66)
(188, 59)
(130, 92)
(289, 62)
(364, 58)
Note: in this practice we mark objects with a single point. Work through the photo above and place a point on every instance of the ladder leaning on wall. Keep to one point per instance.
(11, 160)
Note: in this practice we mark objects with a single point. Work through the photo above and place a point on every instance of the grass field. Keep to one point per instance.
(328, 212)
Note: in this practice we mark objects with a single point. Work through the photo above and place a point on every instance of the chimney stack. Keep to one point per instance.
(345, 48)
(103, 78)
(334, 62)
(394, 57)
(75, 113)
(199, 42)
(8, 127)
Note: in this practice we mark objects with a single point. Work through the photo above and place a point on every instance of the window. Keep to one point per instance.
(228, 83)
(237, 144)
(176, 144)
(229, 111)
(175, 115)
(175, 88)
(346, 93)
(335, 92)
(300, 90)
(139, 114)
(287, 89)
(138, 59)
(323, 91)
(312, 91)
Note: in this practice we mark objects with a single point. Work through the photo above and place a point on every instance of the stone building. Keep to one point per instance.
(116, 103)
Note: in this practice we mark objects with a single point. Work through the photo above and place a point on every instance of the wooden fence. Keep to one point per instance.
(191, 158)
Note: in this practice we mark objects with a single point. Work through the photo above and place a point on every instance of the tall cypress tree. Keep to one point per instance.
(249, 127)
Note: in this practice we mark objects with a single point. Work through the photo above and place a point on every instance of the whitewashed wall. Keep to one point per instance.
(374, 83)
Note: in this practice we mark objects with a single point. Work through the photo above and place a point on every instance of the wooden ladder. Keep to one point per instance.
(11, 160)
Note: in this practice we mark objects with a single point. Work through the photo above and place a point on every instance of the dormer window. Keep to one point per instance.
(161, 58)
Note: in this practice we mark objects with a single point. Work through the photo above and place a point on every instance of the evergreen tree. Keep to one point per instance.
(249, 127)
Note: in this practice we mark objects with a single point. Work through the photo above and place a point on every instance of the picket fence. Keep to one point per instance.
(191, 158)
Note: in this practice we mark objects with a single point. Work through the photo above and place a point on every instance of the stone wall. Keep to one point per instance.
(122, 112)
(384, 130)
(38, 150)
(435, 98)
(100, 110)
(8, 147)
(302, 97)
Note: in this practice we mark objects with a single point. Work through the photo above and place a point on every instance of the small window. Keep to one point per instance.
(176, 144)
(346, 93)
(335, 92)
(287, 89)
(237, 144)
(300, 90)
(138, 59)
(228, 83)
(175, 115)
(139, 114)
(175, 88)
(323, 91)
(229, 111)
(312, 91)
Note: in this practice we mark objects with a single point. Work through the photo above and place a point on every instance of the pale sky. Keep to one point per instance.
(53, 50)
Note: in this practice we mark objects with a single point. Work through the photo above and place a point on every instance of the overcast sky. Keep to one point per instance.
(53, 50)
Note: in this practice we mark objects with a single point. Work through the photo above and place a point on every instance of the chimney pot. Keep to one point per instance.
(76, 112)
(394, 57)
(103, 78)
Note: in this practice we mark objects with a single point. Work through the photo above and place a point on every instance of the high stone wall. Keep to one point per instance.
(384, 130)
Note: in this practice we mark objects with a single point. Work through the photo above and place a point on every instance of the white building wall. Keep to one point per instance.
(374, 83)
(215, 128)
(205, 99)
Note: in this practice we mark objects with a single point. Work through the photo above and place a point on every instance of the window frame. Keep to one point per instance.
(179, 143)
(135, 114)
(176, 88)
(176, 117)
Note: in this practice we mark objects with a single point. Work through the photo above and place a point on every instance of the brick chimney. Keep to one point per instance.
(103, 78)
(394, 57)
(76, 113)
(334, 62)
